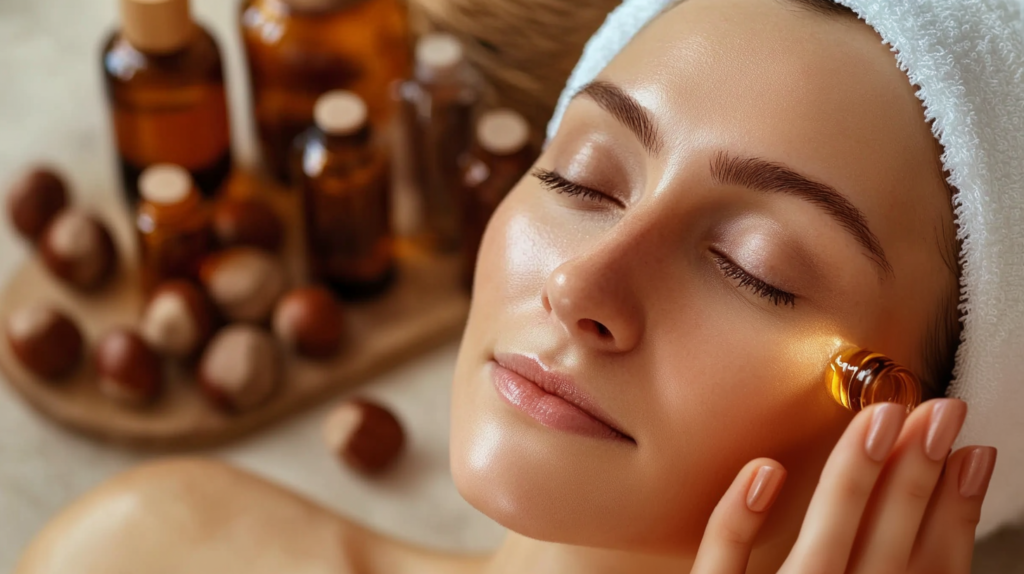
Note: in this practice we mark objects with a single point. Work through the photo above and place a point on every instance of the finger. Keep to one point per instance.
(738, 516)
(893, 518)
(844, 488)
(946, 540)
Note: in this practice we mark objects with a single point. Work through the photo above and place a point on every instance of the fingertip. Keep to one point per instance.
(976, 471)
(766, 482)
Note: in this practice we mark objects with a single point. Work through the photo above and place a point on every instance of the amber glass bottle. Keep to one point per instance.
(173, 226)
(501, 154)
(437, 114)
(346, 190)
(858, 378)
(165, 84)
(300, 49)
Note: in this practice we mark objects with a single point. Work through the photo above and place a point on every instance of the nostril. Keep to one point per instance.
(594, 327)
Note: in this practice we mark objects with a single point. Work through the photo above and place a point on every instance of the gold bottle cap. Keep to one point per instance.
(438, 52)
(502, 131)
(340, 113)
(157, 26)
(165, 184)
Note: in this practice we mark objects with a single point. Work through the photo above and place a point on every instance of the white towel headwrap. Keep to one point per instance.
(967, 59)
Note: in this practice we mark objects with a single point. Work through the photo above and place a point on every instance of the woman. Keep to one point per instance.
(746, 187)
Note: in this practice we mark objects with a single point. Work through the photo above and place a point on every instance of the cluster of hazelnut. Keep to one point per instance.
(75, 246)
(219, 326)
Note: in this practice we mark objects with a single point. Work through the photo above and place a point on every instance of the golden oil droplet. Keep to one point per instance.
(858, 378)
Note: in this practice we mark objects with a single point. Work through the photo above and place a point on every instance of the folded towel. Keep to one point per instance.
(967, 59)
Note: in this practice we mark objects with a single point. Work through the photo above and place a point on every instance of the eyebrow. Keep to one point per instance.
(761, 175)
(627, 110)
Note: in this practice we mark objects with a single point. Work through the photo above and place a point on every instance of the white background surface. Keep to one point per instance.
(52, 109)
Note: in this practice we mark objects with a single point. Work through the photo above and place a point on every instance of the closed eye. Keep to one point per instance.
(761, 288)
(558, 183)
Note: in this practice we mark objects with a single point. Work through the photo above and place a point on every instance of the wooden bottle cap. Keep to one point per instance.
(165, 184)
(157, 26)
(502, 131)
(340, 113)
(317, 5)
(438, 52)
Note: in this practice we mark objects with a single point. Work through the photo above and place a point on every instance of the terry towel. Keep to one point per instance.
(967, 59)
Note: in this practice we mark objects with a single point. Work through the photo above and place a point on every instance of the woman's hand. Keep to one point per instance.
(884, 503)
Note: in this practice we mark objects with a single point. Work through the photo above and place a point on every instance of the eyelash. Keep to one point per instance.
(777, 296)
(559, 184)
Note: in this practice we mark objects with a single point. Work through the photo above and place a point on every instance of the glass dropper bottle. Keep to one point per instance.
(858, 377)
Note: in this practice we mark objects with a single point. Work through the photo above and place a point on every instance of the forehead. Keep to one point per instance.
(766, 78)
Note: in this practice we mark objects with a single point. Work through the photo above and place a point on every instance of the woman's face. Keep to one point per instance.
(748, 187)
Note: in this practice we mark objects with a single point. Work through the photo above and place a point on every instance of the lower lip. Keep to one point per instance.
(549, 410)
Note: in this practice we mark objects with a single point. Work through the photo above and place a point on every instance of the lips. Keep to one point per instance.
(550, 398)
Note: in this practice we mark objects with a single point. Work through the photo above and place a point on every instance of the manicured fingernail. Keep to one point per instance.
(885, 429)
(976, 471)
(764, 488)
(947, 418)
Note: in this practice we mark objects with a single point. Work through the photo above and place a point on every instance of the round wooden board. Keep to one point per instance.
(425, 307)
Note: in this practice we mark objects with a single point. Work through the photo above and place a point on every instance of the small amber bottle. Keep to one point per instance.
(437, 106)
(858, 378)
(298, 50)
(501, 154)
(346, 191)
(173, 225)
(165, 84)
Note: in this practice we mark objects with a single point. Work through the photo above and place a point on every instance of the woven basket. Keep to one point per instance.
(524, 49)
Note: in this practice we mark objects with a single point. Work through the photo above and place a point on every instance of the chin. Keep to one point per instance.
(555, 486)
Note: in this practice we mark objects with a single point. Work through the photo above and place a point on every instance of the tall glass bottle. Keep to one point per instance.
(173, 226)
(346, 189)
(501, 154)
(437, 113)
(165, 85)
(300, 49)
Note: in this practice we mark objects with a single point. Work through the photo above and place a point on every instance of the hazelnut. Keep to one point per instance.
(238, 222)
(240, 369)
(46, 341)
(130, 371)
(34, 200)
(309, 321)
(244, 283)
(78, 249)
(178, 320)
(363, 434)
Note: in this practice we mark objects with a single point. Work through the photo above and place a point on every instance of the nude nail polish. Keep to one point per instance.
(976, 471)
(946, 419)
(885, 429)
(764, 488)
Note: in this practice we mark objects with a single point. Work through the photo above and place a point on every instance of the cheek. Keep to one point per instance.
(725, 390)
(519, 250)
(517, 254)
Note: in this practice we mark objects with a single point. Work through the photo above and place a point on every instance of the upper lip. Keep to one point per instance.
(558, 384)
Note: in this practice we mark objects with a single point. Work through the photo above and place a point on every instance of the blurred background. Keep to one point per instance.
(53, 110)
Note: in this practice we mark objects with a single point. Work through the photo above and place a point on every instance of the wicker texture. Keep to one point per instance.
(524, 49)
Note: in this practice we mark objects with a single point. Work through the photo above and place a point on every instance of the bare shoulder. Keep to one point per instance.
(197, 516)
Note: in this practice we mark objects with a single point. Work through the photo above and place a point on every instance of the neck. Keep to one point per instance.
(520, 554)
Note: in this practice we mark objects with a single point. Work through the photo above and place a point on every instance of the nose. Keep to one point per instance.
(591, 298)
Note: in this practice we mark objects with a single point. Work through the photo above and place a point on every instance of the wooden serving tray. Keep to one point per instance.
(424, 308)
